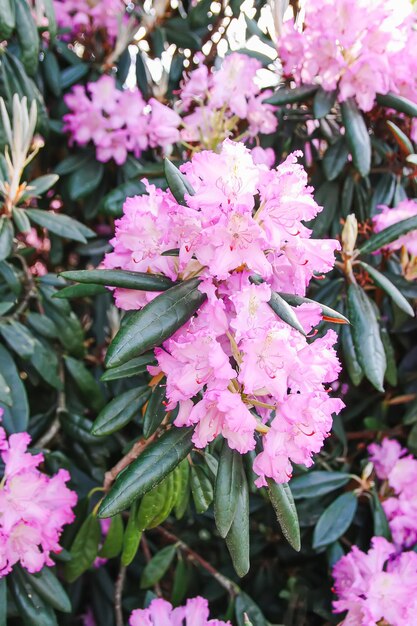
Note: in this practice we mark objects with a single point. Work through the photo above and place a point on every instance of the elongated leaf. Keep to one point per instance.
(6, 237)
(335, 520)
(399, 103)
(401, 138)
(80, 291)
(16, 416)
(86, 383)
(381, 526)
(61, 225)
(113, 543)
(120, 278)
(350, 357)
(5, 391)
(28, 37)
(157, 321)
(285, 312)
(8, 20)
(237, 539)
(384, 283)
(283, 502)
(149, 469)
(131, 368)
(246, 606)
(84, 548)
(73, 74)
(21, 220)
(228, 486)
(132, 536)
(323, 102)
(155, 410)
(177, 182)
(120, 411)
(366, 336)
(32, 609)
(335, 159)
(317, 483)
(38, 186)
(286, 95)
(157, 567)
(357, 136)
(18, 338)
(48, 587)
(386, 236)
(183, 495)
(201, 488)
(328, 313)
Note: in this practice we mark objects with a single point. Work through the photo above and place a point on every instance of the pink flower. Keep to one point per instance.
(33, 507)
(161, 613)
(387, 217)
(88, 16)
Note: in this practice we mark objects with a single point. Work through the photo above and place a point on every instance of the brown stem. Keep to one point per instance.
(231, 587)
(135, 451)
(118, 592)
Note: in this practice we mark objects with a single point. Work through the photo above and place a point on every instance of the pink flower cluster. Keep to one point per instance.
(89, 16)
(399, 469)
(216, 102)
(118, 121)
(378, 587)
(360, 47)
(33, 507)
(236, 368)
(161, 613)
(388, 217)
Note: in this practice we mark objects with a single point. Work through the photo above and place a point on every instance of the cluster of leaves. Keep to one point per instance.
(172, 506)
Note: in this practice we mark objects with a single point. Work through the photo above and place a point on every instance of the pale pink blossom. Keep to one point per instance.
(161, 613)
(388, 217)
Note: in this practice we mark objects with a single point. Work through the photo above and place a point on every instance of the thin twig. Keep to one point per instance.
(231, 587)
(118, 592)
(134, 452)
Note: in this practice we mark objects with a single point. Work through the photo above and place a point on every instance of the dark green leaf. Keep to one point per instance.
(72, 163)
(132, 536)
(283, 502)
(386, 236)
(120, 411)
(21, 220)
(245, 605)
(201, 488)
(317, 483)
(73, 74)
(386, 285)
(131, 368)
(52, 73)
(7, 21)
(366, 336)
(84, 548)
(381, 526)
(397, 102)
(15, 417)
(238, 539)
(85, 180)
(403, 141)
(38, 186)
(6, 237)
(177, 182)
(61, 225)
(155, 410)
(350, 358)
(48, 587)
(149, 469)
(157, 567)
(335, 520)
(323, 102)
(113, 542)
(120, 278)
(183, 495)
(18, 338)
(113, 201)
(86, 383)
(335, 159)
(32, 609)
(228, 486)
(3, 598)
(5, 391)
(287, 95)
(157, 321)
(285, 312)
(328, 313)
(357, 136)
(28, 37)
(80, 291)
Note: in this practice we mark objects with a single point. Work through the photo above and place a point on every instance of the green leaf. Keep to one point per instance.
(131, 368)
(350, 358)
(323, 102)
(27, 34)
(73, 74)
(48, 587)
(51, 73)
(228, 486)
(21, 220)
(183, 495)
(18, 338)
(113, 542)
(399, 103)
(381, 526)
(84, 548)
(78, 427)
(403, 141)
(86, 383)
(113, 201)
(72, 163)
(32, 609)
(357, 136)
(46, 363)
(237, 539)
(155, 410)
(287, 95)
(50, 16)
(366, 336)
(149, 469)
(283, 502)
(386, 236)
(391, 374)
(6, 237)
(132, 536)
(7, 21)
(329, 314)
(38, 186)
(5, 391)
(157, 321)
(120, 411)
(80, 291)
(15, 417)
(61, 225)
(335, 159)
(317, 483)
(245, 605)
(85, 180)
(386, 285)
(182, 578)
(201, 488)
(285, 312)
(157, 567)
(120, 278)
(177, 182)
(335, 520)
(157, 504)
